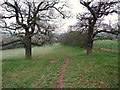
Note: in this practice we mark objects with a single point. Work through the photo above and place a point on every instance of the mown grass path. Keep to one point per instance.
(60, 82)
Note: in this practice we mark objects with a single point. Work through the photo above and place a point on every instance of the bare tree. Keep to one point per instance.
(97, 9)
(28, 18)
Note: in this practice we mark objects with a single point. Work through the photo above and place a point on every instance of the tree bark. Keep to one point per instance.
(90, 38)
(89, 42)
(28, 46)
(89, 46)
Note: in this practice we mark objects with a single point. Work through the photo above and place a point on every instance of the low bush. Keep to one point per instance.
(74, 38)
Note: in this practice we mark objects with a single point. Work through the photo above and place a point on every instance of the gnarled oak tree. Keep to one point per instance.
(28, 18)
(96, 10)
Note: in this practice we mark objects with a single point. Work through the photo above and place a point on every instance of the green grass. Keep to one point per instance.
(109, 44)
(39, 72)
(97, 69)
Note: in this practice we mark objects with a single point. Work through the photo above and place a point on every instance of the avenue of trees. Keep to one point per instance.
(31, 22)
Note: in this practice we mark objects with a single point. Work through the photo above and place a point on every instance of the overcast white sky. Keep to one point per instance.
(75, 8)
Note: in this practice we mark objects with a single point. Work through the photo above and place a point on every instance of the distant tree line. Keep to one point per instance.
(12, 42)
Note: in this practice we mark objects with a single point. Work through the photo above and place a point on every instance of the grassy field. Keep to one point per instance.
(99, 69)
(109, 44)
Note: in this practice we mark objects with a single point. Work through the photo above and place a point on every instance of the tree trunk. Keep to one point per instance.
(90, 40)
(89, 45)
(28, 48)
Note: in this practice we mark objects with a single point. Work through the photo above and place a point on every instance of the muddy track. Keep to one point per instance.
(60, 82)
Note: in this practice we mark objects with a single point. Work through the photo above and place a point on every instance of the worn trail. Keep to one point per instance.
(60, 82)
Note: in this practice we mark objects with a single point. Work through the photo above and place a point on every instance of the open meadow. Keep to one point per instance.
(98, 70)
(109, 44)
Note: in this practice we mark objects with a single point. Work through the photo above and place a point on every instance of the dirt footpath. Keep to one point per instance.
(60, 82)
